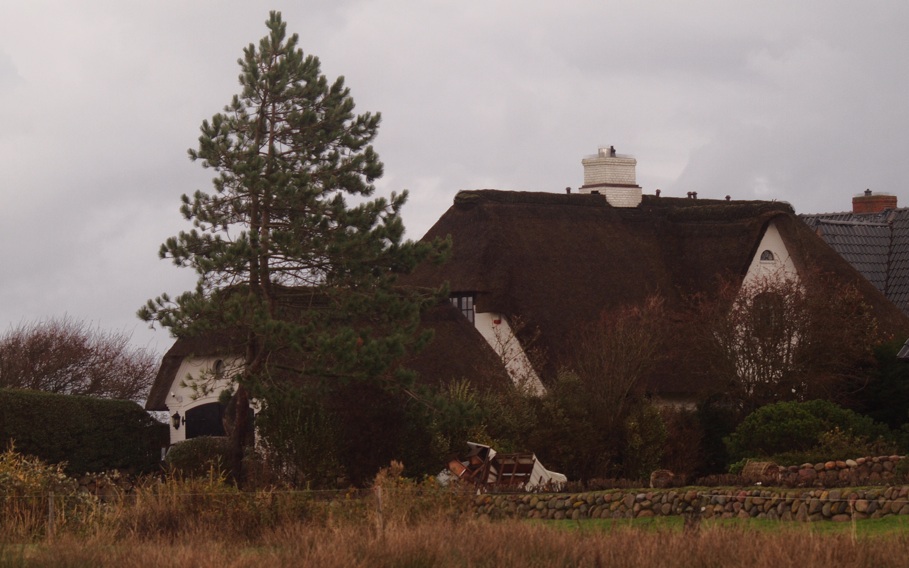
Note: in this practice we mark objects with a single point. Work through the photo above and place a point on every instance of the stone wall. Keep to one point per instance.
(812, 505)
(861, 471)
(107, 484)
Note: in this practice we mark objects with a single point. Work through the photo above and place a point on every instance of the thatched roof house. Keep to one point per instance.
(440, 361)
(536, 268)
(555, 262)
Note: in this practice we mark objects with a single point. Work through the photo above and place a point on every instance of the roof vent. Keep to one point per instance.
(612, 175)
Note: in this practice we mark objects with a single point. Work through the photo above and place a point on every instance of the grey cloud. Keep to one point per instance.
(800, 102)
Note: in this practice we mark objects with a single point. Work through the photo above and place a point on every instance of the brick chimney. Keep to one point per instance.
(869, 202)
(612, 175)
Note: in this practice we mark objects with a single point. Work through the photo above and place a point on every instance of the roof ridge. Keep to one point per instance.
(852, 222)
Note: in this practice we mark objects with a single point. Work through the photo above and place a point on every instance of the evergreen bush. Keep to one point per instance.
(83, 433)
(199, 457)
(806, 431)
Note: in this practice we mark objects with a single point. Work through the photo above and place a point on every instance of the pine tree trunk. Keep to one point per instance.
(238, 436)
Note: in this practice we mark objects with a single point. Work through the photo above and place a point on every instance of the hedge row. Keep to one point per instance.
(88, 434)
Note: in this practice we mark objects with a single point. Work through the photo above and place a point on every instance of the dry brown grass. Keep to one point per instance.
(472, 543)
(208, 523)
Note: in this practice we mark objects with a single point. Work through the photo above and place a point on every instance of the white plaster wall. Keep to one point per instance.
(623, 196)
(609, 170)
(781, 266)
(495, 330)
(183, 397)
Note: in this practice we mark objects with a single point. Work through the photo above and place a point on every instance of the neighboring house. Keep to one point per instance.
(874, 238)
(457, 351)
(543, 266)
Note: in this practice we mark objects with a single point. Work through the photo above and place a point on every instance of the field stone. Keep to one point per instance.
(807, 475)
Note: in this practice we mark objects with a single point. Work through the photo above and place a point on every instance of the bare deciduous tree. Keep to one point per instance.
(596, 402)
(777, 339)
(69, 357)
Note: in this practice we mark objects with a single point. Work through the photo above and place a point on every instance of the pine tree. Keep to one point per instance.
(301, 282)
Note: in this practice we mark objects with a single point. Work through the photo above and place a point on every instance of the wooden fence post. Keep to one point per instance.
(380, 519)
(51, 516)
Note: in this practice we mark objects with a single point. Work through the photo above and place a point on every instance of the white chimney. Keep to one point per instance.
(612, 175)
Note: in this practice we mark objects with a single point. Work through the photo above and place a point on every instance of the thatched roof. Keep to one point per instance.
(457, 351)
(556, 261)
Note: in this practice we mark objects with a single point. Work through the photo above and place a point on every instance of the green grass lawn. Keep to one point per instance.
(886, 526)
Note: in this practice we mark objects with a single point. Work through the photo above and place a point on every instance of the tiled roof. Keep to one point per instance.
(876, 244)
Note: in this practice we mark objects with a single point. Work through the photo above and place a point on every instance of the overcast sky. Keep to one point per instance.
(805, 102)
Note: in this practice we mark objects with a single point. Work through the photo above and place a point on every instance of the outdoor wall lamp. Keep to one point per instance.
(175, 420)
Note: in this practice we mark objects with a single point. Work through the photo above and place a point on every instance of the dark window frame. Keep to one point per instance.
(465, 303)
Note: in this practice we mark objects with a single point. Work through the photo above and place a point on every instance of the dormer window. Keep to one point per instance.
(767, 256)
(464, 302)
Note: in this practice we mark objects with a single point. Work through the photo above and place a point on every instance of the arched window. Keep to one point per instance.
(767, 256)
(205, 420)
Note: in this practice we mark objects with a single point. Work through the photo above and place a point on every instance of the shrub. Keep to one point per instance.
(793, 430)
(87, 434)
(684, 452)
(408, 502)
(200, 457)
(22, 475)
(298, 439)
(644, 439)
(25, 485)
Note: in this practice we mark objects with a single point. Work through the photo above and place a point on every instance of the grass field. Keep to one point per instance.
(474, 543)
(886, 526)
(209, 523)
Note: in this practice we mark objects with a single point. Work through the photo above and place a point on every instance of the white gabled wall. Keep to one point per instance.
(495, 330)
(780, 266)
(182, 396)
(760, 273)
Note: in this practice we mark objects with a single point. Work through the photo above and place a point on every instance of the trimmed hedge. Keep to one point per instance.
(199, 457)
(88, 434)
(799, 432)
